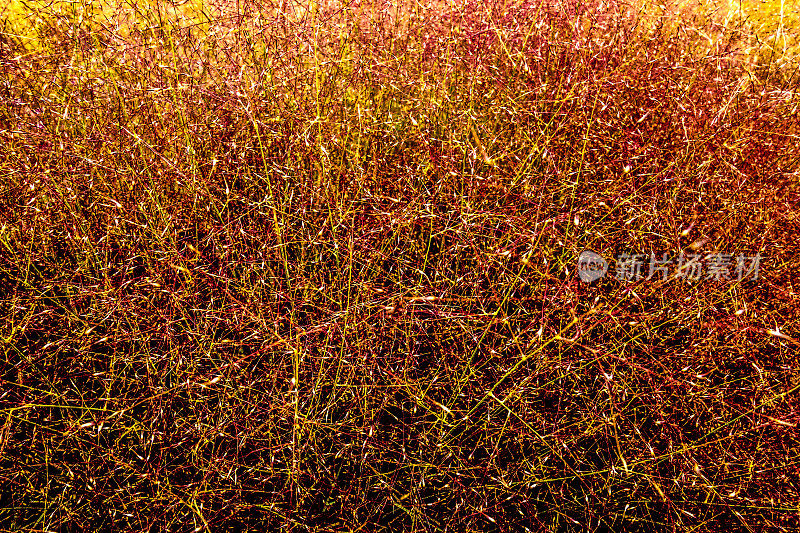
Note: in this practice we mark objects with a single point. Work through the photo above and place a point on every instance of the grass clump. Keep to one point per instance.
(312, 266)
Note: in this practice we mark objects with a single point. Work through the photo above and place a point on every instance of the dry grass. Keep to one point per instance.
(312, 268)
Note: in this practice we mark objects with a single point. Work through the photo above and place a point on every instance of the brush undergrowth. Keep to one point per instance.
(311, 266)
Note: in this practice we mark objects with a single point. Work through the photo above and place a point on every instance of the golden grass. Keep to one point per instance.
(316, 272)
